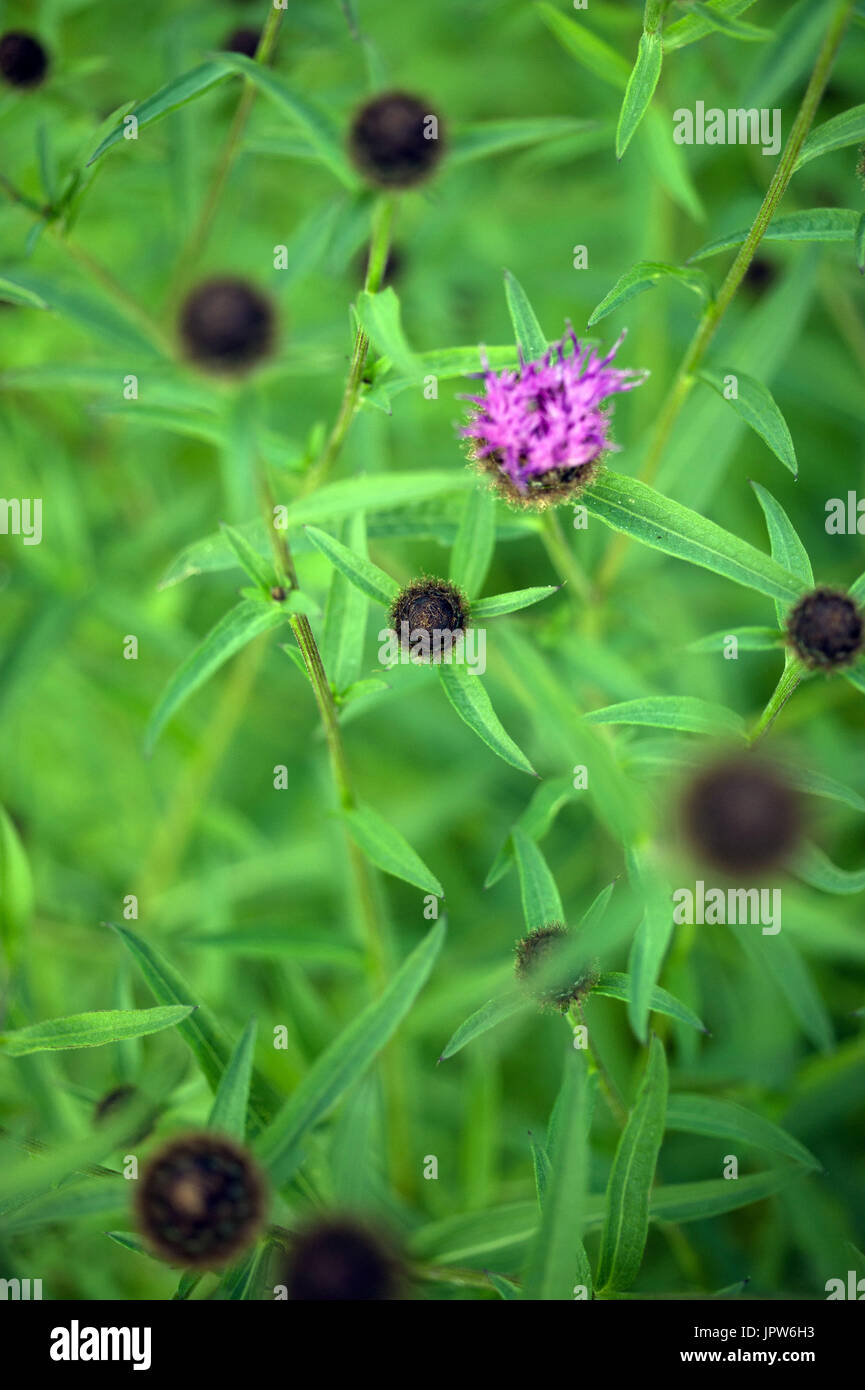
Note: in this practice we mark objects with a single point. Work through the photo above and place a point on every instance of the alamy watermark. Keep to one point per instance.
(735, 126)
(417, 646)
(731, 906)
(21, 516)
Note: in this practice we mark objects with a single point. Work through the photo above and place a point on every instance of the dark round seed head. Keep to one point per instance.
(431, 606)
(741, 817)
(337, 1259)
(112, 1105)
(243, 41)
(825, 629)
(396, 140)
(760, 275)
(200, 1201)
(278, 593)
(227, 325)
(23, 60)
(535, 958)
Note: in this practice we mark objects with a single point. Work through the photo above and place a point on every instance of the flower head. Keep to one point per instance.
(200, 1200)
(227, 325)
(825, 629)
(536, 953)
(23, 60)
(741, 816)
(433, 610)
(541, 430)
(395, 140)
(336, 1258)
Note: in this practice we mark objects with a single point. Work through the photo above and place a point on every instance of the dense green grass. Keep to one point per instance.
(255, 895)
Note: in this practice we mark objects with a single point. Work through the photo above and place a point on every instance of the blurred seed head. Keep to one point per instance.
(200, 1201)
(227, 325)
(761, 275)
(740, 815)
(23, 60)
(536, 955)
(338, 1258)
(429, 605)
(396, 140)
(244, 40)
(825, 629)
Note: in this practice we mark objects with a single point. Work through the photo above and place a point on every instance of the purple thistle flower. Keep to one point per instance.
(539, 430)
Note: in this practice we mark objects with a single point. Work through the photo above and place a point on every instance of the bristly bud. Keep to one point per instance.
(200, 1201)
(113, 1104)
(435, 609)
(23, 60)
(825, 629)
(244, 41)
(395, 140)
(227, 325)
(338, 1259)
(535, 955)
(741, 816)
(541, 432)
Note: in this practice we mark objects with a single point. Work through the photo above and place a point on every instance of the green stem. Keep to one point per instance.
(791, 677)
(378, 252)
(715, 311)
(608, 1085)
(563, 559)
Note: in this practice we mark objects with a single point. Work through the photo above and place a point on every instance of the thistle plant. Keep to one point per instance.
(310, 990)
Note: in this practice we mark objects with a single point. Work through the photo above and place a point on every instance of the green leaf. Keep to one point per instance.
(13, 293)
(749, 639)
(200, 1030)
(818, 784)
(527, 331)
(314, 122)
(91, 1030)
(777, 957)
(357, 569)
(615, 985)
(233, 631)
(345, 1060)
(497, 604)
(16, 890)
(640, 89)
(492, 1013)
(785, 545)
(816, 224)
(379, 317)
(651, 938)
(725, 24)
(816, 868)
(540, 896)
(593, 53)
(385, 847)
(345, 617)
(639, 511)
(91, 310)
(230, 1104)
(552, 1263)
(174, 94)
(723, 1119)
(249, 559)
(699, 1201)
(644, 276)
(484, 138)
(836, 134)
(505, 1288)
(541, 1165)
(475, 542)
(697, 26)
(626, 1224)
(859, 244)
(469, 698)
(684, 712)
(755, 404)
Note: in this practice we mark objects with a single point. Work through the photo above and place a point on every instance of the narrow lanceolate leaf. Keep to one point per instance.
(755, 404)
(841, 131)
(776, 956)
(640, 89)
(645, 276)
(175, 93)
(91, 1030)
(594, 54)
(684, 712)
(469, 698)
(475, 542)
(485, 138)
(527, 330)
(16, 890)
(379, 317)
(345, 1060)
(785, 545)
(541, 901)
(361, 572)
(626, 1222)
(542, 1168)
(818, 784)
(651, 938)
(249, 559)
(497, 604)
(697, 26)
(389, 850)
(552, 1264)
(616, 985)
(726, 24)
(817, 224)
(748, 639)
(235, 630)
(815, 867)
(639, 511)
(14, 293)
(492, 1013)
(200, 1030)
(345, 618)
(228, 1113)
(723, 1119)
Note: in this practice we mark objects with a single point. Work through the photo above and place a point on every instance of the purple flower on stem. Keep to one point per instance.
(541, 430)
